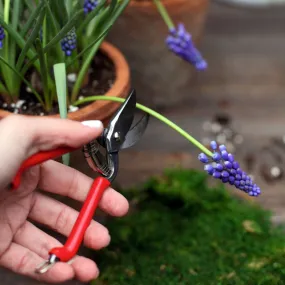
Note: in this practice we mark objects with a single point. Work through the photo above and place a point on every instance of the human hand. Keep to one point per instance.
(23, 246)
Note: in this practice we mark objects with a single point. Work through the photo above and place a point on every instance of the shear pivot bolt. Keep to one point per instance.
(117, 136)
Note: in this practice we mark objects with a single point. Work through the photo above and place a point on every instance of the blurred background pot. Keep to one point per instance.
(140, 34)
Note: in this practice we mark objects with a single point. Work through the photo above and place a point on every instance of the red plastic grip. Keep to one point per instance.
(36, 159)
(69, 250)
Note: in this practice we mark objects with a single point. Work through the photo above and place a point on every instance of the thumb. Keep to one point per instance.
(22, 136)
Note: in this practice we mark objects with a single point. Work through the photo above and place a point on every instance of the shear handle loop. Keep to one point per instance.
(69, 250)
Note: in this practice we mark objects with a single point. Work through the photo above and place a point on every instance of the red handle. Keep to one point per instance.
(36, 159)
(69, 250)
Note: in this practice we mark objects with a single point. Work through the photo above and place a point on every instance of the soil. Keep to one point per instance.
(101, 78)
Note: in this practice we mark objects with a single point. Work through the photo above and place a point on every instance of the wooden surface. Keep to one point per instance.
(245, 51)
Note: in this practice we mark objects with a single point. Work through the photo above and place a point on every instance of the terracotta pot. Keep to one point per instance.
(103, 110)
(160, 77)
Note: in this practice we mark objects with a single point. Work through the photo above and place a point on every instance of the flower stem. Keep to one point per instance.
(164, 14)
(152, 113)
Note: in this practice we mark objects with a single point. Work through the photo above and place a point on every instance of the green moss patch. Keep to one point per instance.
(185, 232)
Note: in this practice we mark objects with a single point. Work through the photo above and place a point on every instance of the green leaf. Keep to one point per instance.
(53, 29)
(90, 56)
(44, 72)
(31, 19)
(31, 39)
(88, 47)
(30, 4)
(56, 39)
(84, 69)
(3, 88)
(69, 5)
(52, 18)
(23, 78)
(17, 37)
(17, 7)
(113, 5)
(60, 82)
(111, 15)
(59, 10)
(77, 6)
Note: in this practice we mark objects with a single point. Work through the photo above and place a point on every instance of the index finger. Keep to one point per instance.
(66, 181)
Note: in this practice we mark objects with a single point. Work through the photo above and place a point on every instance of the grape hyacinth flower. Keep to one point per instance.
(180, 42)
(2, 36)
(68, 43)
(223, 166)
(90, 5)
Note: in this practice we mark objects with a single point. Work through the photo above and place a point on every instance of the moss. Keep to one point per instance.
(186, 232)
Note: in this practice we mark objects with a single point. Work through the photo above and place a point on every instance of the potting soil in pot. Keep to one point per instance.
(101, 78)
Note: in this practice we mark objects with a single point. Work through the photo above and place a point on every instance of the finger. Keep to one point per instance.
(62, 218)
(22, 136)
(76, 185)
(37, 241)
(85, 269)
(23, 261)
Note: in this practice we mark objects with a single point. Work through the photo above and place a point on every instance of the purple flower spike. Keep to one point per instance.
(217, 174)
(219, 167)
(223, 166)
(213, 145)
(203, 157)
(90, 5)
(225, 179)
(216, 156)
(231, 178)
(179, 41)
(235, 165)
(228, 165)
(209, 168)
(2, 36)
(231, 158)
(225, 173)
(68, 43)
(225, 154)
(222, 147)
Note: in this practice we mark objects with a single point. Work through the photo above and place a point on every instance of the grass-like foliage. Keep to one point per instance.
(183, 231)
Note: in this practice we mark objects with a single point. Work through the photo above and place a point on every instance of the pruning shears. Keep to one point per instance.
(102, 156)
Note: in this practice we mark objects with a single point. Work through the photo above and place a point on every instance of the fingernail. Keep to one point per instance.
(93, 124)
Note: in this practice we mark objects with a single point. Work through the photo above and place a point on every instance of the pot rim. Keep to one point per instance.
(121, 84)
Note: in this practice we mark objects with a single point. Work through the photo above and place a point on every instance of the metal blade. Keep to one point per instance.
(120, 124)
(136, 132)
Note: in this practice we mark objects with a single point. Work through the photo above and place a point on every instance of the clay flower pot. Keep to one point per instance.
(140, 34)
(103, 110)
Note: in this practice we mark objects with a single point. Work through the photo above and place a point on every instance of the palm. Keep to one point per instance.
(23, 246)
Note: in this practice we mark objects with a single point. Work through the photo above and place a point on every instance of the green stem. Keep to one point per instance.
(152, 113)
(164, 14)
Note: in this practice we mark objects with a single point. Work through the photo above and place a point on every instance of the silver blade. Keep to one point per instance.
(136, 132)
(121, 123)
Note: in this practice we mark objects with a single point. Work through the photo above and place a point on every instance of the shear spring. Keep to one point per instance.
(96, 159)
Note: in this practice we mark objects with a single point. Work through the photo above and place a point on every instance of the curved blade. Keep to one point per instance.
(136, 132)
(121, 123)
